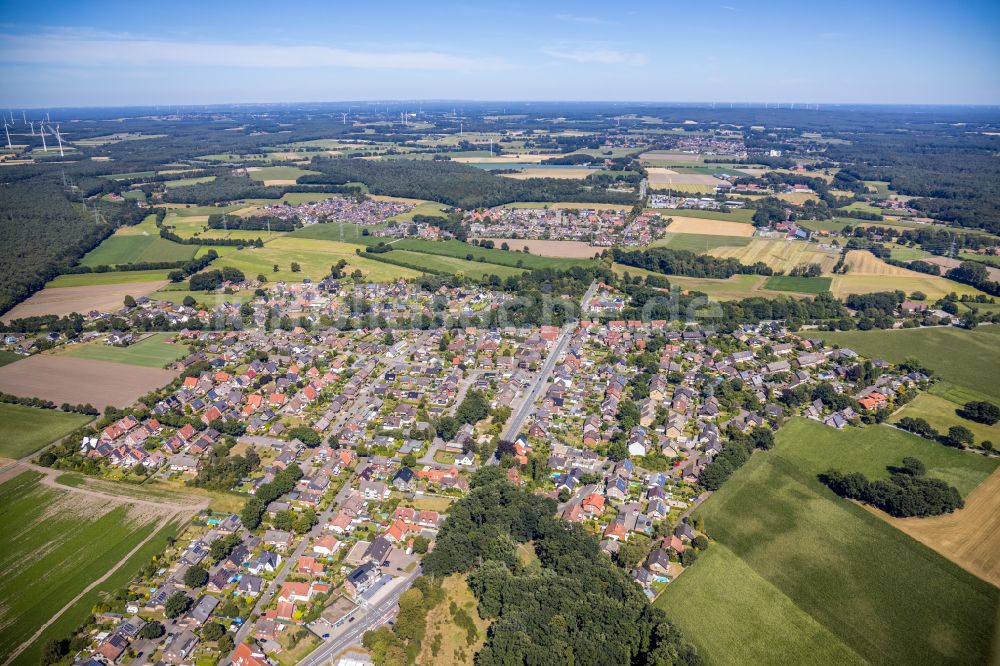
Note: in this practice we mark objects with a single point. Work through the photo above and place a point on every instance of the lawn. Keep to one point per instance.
(940, 413)
(55, 543)
(111, 277)
(315, 257)
(779, 633)
(452, 265)
(966, 359)
(151, 352)
(886, 597)
(27, 429)
(460, 250)
(802, 285)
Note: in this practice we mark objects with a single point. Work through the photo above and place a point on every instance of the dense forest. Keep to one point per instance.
(454, 184)
(955, 174)
(43, 233)
(573, 606)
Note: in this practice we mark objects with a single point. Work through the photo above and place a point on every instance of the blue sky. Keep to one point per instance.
(131, 53)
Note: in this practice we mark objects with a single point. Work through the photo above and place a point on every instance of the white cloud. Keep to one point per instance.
(85, 49)
(599, 56)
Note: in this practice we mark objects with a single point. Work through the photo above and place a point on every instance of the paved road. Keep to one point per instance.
(520, 415)
(373, 618)
(275, 586)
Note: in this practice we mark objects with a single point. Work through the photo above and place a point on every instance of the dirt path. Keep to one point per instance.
(23, 646)
(170, 505)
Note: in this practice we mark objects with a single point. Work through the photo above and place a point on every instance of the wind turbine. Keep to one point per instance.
(32, 123)
(59, 138)
(41, 130)
(345, 118)
(8, 135)
(24, 118)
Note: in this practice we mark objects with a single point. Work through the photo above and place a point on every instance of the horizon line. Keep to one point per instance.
(718, 105)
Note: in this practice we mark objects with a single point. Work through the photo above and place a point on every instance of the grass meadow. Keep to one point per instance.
(111, 277)
(454, 265)
(940, 413)
(27, 429)
(497, 256)
(964, 359)
(151, 352)
(8, 357)
(55, 543)
(816, 448)
(733, 615)
(129, 249)
(802, 285)
(315, 257)
(886, 597)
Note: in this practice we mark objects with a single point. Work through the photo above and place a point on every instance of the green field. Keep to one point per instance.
(150, 352)
(209, 299)
(452, 265)
(966, 359)
(712, 601)
(901, 253)
(940, 413)
(8, 357)
(699, 243)
(426, 208)
(112, 277)
(279, 173)
(460, 250)
(981, 258)
(883, 595)
(344, 232)
(881, 188)
(133, 248)
(27, 429)
(802, 285)
(54, 543)
(816, 448)
(184, 182)
(315, 257)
